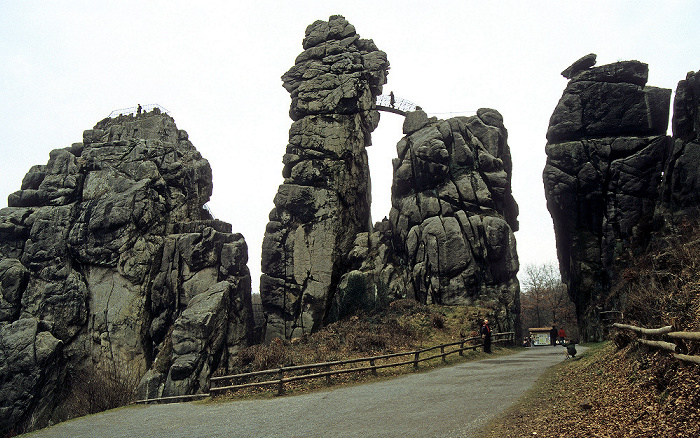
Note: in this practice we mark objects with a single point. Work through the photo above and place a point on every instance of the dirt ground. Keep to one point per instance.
(630, 392)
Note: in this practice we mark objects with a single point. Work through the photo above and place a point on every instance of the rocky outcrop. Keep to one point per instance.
(681, 183)
(606, 149)
(375, 275)
(454, 215)
(108, 260)
(325, 198)
(449, 237)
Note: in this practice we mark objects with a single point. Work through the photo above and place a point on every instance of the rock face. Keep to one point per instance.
(606, 149)
(681, 183)
(108, 260)
(449, 238)
(325, 198)
(454, 214)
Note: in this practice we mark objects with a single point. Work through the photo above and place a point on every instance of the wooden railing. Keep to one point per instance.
(328, 372)
(325, 369)
(678, 347)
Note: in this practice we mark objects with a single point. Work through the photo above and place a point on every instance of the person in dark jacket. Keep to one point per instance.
(553, 335)
(486, 335)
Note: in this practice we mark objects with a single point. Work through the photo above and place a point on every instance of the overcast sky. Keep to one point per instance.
(216, 67)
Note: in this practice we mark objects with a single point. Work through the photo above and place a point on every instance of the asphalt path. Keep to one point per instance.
(452, 401)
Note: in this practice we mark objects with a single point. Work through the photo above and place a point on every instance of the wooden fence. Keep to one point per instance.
(664, 338)
(326, 370)
(284, 374)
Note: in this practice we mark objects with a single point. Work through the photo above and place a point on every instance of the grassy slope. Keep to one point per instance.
(621, 389)
(609, 392)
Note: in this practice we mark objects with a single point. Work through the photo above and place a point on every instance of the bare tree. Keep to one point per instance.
(544, 299)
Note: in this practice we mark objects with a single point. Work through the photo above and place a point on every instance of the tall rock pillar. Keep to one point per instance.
(606, 148)
(454, 214)
(325, 198)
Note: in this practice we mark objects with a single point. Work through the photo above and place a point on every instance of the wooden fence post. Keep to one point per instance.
(280, 388)
(374, 368)
(442, 351)
(328, 377)
(461, 348)
(415, 360)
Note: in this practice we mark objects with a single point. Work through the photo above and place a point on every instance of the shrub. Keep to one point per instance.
(92, 390)
(264, 356)
(437, 320)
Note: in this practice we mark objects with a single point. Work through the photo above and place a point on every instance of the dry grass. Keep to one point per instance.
(609, 393)
(621, 389)
(93, 390)
(405, 325)
(662, 287)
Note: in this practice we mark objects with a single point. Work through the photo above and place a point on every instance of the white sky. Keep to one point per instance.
(216, 66)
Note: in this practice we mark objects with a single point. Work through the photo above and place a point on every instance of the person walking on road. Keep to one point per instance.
(562, 335)
(553, 335)
(486, 336)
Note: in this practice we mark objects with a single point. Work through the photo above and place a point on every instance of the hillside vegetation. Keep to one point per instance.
(620, 388)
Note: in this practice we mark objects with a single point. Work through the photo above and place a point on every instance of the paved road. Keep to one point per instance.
(455, 401)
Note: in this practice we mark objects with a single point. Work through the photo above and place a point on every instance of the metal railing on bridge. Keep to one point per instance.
(395, 105)
(139, 109)
(398, 105)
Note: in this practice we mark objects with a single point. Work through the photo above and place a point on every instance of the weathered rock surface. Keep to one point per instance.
(449, 238)
(325, 198)
(605, 157)
(453, 214)
(681, 183)
(108, 260)
(375, 275)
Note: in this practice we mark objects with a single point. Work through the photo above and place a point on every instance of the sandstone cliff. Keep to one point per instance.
(449, 237)
(325, 198)
(606, 152)
(681, 182)
(109, 262)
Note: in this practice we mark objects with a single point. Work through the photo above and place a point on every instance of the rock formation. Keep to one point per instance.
(449, 238)
(452, 218)
(325, 198)
(606, 149)
(453, 208)
(109, 261)
(681, 182)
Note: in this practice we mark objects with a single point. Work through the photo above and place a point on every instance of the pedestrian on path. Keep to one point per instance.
(562, 335)
(553, 335)
(486, 335)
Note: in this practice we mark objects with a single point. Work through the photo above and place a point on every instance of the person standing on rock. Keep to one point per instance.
(486, 336)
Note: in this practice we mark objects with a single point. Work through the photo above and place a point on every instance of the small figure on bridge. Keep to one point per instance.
(138, 109)
(486, 335)
(392, 100)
